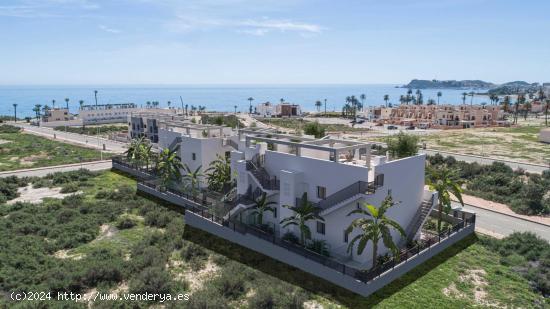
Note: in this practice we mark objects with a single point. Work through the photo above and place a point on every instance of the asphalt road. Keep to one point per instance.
(505, 225)
(79, 139)
(43, 171)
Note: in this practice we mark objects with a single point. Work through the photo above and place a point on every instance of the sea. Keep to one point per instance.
(213, 97)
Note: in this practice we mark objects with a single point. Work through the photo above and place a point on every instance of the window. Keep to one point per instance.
(274, 212)
(379, 180)
(194, 156)
(321, 192)
(320, 227)
(346, 235)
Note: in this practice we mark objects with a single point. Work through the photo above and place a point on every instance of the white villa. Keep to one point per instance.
(337, 176)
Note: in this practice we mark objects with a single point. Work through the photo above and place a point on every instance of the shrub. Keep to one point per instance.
(70, 187)
(194, 254)
(403, 145)
(319, 246)
(263, 299)
(157, 218)
(290, 237)
(6, 128)
(315, 129)
(152, 280)
(125, 222)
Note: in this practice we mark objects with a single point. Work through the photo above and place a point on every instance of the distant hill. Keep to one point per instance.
(448, 84)
(515, 88)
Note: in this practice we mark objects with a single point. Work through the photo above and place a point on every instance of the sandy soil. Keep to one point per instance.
(106, 231)
(64, 254)
(476, 277)
(36, 195)
(3, 141)
(197, 278)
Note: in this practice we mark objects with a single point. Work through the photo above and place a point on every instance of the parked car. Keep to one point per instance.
(409, 128)
(392, 128)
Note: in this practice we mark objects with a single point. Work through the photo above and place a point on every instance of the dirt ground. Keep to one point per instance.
(36, 195)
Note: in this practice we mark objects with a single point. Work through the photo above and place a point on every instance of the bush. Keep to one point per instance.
(403, 145)
(157, 218)
(319, 246)
(152, 280)
(528, 254)
(290, 237)
(262, 300)
(315, 129)
(125, 222)
(70, 187)
(194, 254)
(6, 128)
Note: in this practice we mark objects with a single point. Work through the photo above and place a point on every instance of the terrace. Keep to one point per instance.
(211, 215)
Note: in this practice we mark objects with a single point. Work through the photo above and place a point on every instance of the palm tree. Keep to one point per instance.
(376, 225)
(218, 174)
(318, 105)
(472, 94)
(439, 94)
(446, 182)
(81, 102)
(386, 98)
(148, 103)
(235, 107)
(506, 104)
(282, 100)
(250, 99)
(67, 103)
(464, 95)
(133, 153)
(409, 94)
(261, 205)
(15, 112)
(325, 107)
(95, 95)
(169, 165)
(53, 104)
(363, 97)
(193, 178)
(36, 109)
(303, 213)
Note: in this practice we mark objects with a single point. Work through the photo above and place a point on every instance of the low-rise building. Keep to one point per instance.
(266, 110)
(441, 116)
(288, 110)
(146, 123)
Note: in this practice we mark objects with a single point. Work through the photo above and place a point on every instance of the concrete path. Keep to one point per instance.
(505, 225)
(43, 171)
(75, 138)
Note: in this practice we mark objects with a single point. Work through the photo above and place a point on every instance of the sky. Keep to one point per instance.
(272, 41)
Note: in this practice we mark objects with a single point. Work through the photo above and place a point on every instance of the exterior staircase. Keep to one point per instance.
(420, 217)
(262, 176)
(175, 143)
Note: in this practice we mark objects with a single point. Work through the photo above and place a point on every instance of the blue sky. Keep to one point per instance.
(272, 42)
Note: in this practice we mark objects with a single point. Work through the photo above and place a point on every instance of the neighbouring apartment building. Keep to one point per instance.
(145, 123)
(267, 109)
(440, 116)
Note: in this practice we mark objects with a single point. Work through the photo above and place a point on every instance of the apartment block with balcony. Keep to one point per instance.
(337, 176)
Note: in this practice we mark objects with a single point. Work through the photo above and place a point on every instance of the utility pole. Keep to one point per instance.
(325, 108)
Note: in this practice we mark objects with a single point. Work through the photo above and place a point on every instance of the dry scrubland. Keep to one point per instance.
(107, 238)
(20, 150)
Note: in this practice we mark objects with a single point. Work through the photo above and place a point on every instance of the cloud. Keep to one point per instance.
(110, 30)
(45, 8)
(263, 26)
(257, 27)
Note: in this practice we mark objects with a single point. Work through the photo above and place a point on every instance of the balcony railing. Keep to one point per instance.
(360, 187)
(362, 275)
(205, 209)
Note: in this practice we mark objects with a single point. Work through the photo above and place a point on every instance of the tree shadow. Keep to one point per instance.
(312, 283)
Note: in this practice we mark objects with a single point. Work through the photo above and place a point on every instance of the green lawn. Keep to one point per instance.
(160, 253)
(20, 150)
